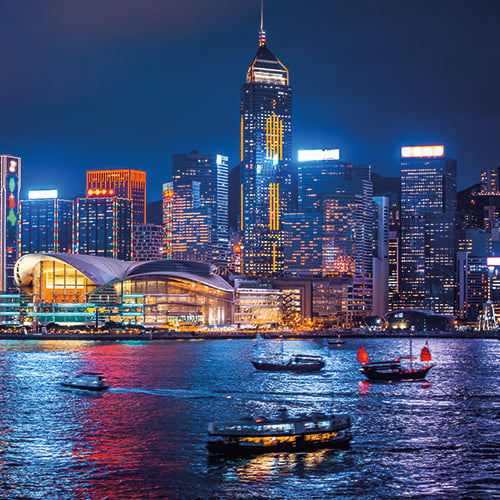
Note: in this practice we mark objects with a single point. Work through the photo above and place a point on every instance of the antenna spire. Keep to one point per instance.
(262, 33)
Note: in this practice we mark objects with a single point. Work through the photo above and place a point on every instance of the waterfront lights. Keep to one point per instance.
(318, 154)
(422, 151)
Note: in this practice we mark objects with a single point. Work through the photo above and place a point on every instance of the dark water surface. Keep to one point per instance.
(145, 437)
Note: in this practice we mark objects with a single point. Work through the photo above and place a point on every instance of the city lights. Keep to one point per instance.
(318, 154)
(43, 194)
(422, 151)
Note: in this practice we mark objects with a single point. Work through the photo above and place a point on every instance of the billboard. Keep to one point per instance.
(318, 154)
(422, 151)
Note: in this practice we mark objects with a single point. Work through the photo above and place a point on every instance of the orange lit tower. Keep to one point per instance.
(266, 155)
(123, 183)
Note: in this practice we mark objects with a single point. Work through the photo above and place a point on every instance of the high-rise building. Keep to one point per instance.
(167, 218)
(191, 225)
(428, 209)
(10, 182)
(210, 173)
(148, 242)
(336, 223)
(123, 183)
(381, 256)
(46, 223)
(104, 227)
(266, 179)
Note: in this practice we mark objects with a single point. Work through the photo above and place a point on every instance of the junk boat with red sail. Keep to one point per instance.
(250, 436)
(394, 370)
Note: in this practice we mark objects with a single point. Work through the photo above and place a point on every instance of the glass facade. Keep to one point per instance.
(104, 227)
(207, 177)
(266, 177)
(46, 226)
(428, 210)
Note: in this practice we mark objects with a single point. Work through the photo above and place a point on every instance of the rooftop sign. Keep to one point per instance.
(42, 194)
(422, 151)
(319, 154)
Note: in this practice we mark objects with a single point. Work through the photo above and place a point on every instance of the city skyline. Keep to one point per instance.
(93, 89)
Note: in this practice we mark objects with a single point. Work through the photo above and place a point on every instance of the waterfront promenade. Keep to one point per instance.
(238, 334)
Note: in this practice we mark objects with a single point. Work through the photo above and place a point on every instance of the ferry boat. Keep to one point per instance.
(284, 434)
(88, 381)
(298, 363)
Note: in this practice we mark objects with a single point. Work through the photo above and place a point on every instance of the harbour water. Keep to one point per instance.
(145, 437)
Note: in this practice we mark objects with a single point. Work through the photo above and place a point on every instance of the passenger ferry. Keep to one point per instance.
(289, 434)
(87, 381)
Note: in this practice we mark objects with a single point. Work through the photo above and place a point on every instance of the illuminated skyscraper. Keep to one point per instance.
(428, 209)
(148, 242)
(123, 183)
(266, 154)
(206, 179)
(104, 227)
(10, 181)
(46, 223)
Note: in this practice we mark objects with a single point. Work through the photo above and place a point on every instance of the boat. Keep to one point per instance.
(250, 436)
(88, 381)
(298, 363)
(338, 342)
(394, 370)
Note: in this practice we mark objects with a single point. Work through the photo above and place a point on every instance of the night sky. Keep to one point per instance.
(127, 83)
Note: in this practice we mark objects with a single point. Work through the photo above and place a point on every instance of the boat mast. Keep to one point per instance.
(411, 352)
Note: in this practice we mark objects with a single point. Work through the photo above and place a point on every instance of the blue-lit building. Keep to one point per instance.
(10, 182)
(266, 178)
(46, 223)
(427, 246)
(200, 196)
(104, 227)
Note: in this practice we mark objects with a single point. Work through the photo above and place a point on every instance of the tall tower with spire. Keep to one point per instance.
(266, 156)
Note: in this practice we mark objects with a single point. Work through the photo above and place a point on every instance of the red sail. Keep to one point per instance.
(425, 355)
(363, 355)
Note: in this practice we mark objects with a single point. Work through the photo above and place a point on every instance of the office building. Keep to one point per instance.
(122, 183)
(104, 227)
(381, 256)
(10, 182)
(204, 180)
(266, 178)
(428, 209)
(148, 242)
(46, 223)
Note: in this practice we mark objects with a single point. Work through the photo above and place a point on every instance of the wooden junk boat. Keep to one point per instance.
(393, 370)
(288, 434)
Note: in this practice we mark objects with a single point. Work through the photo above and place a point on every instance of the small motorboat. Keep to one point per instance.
(88, 381)
(338, 342)
(394, 370)
(298, 363)
(250, 436)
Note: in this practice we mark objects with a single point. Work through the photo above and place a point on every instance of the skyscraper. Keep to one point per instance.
(10, 181)
(46, 223)
(207, 179)
(266, 154)
(428, 209)
(124, 183)
(104, 227)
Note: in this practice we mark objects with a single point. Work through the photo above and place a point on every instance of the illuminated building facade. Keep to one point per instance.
(148, 242)
(266, 180)
(167, 218)
(428, 210)
(191, 225)
(122, 183)
(210, 173)
(104, 227)
(46, 223)
(71, 288)
(340, 194)
(10, 181)
(381, 256)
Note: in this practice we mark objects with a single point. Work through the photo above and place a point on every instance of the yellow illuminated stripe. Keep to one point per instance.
(277, 206)
(274, 256)
(271, 206)
(241, 139)
(241, 208)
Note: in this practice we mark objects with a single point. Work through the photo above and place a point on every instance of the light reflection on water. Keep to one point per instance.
(145, 437)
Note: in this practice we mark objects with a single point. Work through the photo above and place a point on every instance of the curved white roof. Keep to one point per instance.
(103, 270)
